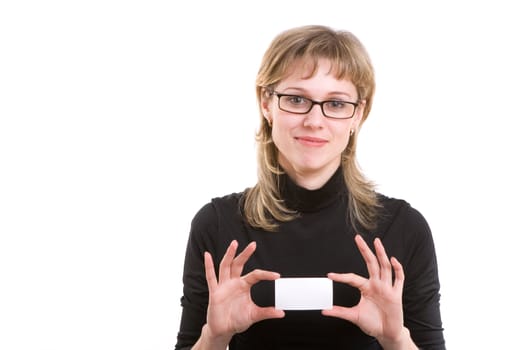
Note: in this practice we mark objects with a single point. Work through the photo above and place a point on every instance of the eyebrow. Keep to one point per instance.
(301, 91)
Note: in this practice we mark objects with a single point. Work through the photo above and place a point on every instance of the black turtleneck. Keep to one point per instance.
(307, 201)
(319, 241)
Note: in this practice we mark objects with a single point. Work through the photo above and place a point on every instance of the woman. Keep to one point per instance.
(312, 213)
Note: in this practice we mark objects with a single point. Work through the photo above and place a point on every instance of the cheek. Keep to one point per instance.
(273, 110)
(283, 131)
(342, 131)
(342, 135)
(279, 130)
(345, 138)
(284, 124)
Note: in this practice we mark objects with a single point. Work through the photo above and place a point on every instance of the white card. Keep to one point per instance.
(310, 293)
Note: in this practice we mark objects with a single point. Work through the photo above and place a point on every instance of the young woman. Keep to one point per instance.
(312, 213)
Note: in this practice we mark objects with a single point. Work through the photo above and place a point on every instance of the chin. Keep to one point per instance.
(310, 167)
(316, 165)
(306, 165)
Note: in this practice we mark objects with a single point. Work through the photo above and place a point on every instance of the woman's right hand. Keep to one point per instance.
(231, 309)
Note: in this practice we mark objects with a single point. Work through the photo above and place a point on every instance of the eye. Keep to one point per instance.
(335, 104)
(296, 100)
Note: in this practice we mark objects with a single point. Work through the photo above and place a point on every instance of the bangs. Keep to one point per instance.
(309, 64)
(345, 61)
(305, 47)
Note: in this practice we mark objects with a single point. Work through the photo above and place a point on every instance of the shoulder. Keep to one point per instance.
(218, 207)
(404, 227)
(216, 223)
(229, 202)
(399, 211)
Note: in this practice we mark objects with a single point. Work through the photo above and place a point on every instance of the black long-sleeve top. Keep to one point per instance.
(321, 240)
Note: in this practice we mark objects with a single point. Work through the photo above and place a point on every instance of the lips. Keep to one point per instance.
(311, 141)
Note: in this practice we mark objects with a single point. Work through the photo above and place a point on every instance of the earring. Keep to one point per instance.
(351, 132)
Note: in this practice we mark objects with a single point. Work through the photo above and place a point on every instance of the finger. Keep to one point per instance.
(264, 313)
(225, 266)
(211, 278)
(369, 257)
(399, 274)
(345, 313)
(241, 259)
(384, 263)
(348, 278)
(260, 275)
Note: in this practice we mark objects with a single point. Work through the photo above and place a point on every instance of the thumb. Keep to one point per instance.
(264, 313)
(345, 313)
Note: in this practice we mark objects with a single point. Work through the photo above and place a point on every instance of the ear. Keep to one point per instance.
(358, 116)
(265, 106)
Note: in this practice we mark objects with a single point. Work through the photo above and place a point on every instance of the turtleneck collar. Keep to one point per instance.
(304, 200)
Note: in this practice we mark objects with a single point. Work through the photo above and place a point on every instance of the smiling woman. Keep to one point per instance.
(311, 143)
(113, 113)
(312, 213)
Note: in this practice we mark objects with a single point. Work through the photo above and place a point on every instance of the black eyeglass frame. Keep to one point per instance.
(320, 103)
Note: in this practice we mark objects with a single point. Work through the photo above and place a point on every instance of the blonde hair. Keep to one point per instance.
(262, 204)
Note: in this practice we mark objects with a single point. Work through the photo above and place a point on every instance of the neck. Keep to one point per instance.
(307, 178)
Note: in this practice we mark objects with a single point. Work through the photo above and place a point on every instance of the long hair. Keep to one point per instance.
(262, 205)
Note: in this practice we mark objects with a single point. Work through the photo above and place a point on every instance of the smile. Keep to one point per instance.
(311, 141)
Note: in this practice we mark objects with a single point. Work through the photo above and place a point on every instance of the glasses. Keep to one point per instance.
(335, 109)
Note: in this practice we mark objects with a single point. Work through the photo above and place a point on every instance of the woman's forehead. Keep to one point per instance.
(307, 67)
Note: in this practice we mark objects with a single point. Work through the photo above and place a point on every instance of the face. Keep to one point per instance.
(310, 145)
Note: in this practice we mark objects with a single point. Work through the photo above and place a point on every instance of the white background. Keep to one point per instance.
(120, 119)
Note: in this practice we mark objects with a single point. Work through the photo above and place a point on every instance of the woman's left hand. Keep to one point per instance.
(379, 312)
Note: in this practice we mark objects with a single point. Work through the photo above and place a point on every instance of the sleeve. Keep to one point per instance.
(194, 301)
(421, 295)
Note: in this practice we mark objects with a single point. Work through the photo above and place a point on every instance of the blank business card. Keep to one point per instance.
(299, 293)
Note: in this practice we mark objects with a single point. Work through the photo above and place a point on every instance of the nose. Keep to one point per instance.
(315, 117)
